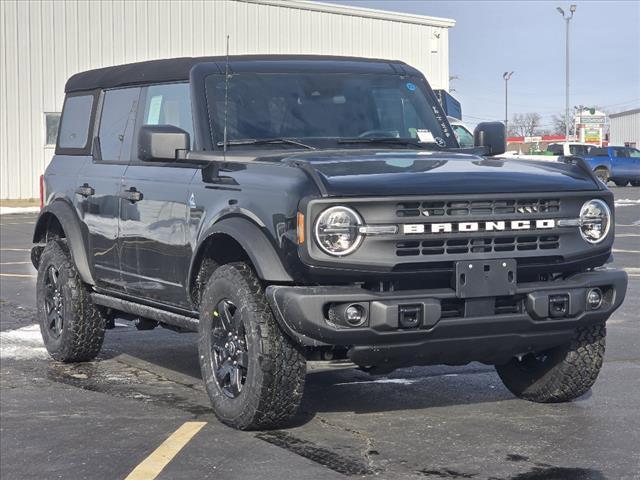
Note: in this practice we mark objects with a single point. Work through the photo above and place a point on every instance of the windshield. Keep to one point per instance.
(325, 106)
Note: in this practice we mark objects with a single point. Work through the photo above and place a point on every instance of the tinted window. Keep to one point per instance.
(555, 149)
(169, 105)
(580, 149)
(117, 123)
(619, 152)
(599, 152)
(325, 106)
(76, 118)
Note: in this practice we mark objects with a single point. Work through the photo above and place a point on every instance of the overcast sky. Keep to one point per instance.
(491, 37)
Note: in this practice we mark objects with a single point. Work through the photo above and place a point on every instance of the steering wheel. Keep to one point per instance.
(380, 133)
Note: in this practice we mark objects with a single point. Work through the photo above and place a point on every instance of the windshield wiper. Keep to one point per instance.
(266, 141)
(389, 140)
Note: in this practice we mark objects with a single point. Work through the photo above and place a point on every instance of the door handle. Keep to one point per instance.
(85, 190)
(132, 195)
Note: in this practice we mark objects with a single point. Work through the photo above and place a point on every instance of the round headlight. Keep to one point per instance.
(337, 231)
(595, 221)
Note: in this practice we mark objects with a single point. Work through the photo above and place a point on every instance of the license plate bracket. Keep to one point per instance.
(486, 278)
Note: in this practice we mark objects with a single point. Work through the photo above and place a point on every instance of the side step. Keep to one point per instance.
(162, 316)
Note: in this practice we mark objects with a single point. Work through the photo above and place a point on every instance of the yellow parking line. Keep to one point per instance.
(615, 250)
(15, 249)
(15, 263)
(18, 275)
(627, 235)
(151, 466)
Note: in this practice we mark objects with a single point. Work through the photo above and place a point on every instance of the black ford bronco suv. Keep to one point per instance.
(292, 208)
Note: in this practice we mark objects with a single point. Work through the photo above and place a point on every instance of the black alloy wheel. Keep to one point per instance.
(229, 348)
(54, 302)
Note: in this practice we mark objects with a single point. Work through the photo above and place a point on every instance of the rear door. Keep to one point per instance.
(620, 161)
(99, 183)
(156, 248)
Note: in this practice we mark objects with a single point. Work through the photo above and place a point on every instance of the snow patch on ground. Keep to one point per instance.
(11, 210)
(626, 202)
(398, 381)
(22, 344)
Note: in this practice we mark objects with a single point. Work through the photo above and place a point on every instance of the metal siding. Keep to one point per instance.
(625, 128)
(43, 42)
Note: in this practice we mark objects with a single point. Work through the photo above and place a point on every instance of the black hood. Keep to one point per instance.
(375, 173)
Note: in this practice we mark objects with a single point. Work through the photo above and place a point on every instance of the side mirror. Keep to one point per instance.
(159, 143)
(492, 136)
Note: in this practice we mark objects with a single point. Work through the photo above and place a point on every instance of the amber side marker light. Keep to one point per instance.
(300, 228)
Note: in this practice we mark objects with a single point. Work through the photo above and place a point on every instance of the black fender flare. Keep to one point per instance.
(66, 215)
(255, 243)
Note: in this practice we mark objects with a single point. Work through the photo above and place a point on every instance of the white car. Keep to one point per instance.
(462, 132)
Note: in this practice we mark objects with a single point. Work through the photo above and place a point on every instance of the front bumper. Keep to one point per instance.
(450, 330)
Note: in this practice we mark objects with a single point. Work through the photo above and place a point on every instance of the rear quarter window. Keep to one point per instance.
(76, 124)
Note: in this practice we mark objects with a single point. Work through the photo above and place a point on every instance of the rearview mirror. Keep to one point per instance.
(159, 143)
(492, 136)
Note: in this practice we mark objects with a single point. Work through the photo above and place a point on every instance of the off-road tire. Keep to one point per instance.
(566, 373)
(83, 327)
(602, 174)
(276, 370)
(621, 183)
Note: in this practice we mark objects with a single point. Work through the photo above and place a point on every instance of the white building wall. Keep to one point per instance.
(624, 128)
(44, 42)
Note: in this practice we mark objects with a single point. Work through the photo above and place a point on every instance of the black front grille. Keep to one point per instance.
(477, 245)
(456, 208)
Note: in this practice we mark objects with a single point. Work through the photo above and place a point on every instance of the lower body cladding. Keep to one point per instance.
(427, 327)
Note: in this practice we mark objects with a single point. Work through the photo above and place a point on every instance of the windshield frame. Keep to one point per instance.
(209, 136)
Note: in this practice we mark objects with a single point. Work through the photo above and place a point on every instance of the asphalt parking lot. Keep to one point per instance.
(100, 420)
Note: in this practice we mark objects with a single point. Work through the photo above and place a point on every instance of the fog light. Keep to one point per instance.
(354, 315)
(594, 298)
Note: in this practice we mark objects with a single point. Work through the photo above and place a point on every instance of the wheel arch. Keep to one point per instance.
(238, 239)
(60, 220)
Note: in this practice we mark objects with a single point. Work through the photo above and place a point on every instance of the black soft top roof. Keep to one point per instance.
(177, 69)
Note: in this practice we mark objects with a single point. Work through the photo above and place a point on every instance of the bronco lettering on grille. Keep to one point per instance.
(489, 226)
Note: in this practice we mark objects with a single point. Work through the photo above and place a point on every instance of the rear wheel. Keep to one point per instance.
(559, 374)
(253, 372)
(72, 327)
(602, 174)
(621, 183)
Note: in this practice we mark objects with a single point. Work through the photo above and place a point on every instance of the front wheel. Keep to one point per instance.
(560, 374)
(602, 174)
(252, 371)
(635, 183)
(72, 327)
(621, 183)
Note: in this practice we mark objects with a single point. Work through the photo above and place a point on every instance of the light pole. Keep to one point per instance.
(506, 76)
(567, 18)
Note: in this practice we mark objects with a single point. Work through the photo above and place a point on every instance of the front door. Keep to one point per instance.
(100, 182)
(154, 210)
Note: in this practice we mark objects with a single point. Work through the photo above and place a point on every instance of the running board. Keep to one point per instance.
(162, 316)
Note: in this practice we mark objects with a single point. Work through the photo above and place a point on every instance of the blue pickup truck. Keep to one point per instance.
(618, 164)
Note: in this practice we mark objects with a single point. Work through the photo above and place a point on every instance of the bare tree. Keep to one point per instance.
(559, 125)
(524, 124)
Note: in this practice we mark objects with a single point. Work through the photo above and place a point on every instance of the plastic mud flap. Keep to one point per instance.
(486, 278)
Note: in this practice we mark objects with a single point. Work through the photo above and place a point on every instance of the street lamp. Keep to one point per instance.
(567, 18)
(506, 76)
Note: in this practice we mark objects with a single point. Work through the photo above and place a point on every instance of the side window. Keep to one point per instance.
(169, 105)
(634, 153)
(76, 122)
(619, 153)
(117, 123)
